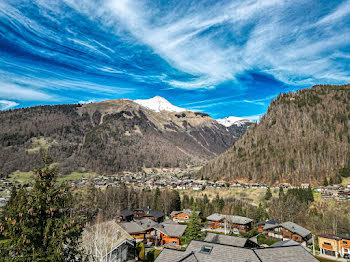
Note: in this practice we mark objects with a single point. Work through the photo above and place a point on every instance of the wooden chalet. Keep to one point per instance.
(261, 224)
(286, 231)
(229, 222)
(125, 215)
(182, 216)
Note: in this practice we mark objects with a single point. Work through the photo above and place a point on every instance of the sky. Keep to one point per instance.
(219, 57)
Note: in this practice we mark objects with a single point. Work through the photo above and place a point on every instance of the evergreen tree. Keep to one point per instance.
(331, 181)
(185, 201)
(155, 199)
(37, 224)
(281, 193)
(177, 200)
(325, 181)
(268, 194)
(194, 229)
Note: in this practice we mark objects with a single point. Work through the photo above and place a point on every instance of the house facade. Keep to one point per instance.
(334, 245)
(286, 231)
(183, 216)
(228, 223)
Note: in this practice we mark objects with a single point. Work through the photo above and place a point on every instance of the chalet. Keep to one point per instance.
(140, 212)
(286, 231)
(108, 241)
(125, 215)
(229, 222)
(182, 216)
(165, 233)
(155, 215)
(261, 224)
(205, 251)
(334, 245)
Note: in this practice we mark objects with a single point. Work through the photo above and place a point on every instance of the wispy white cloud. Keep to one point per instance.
(6, 104)
(13, 91)
(255, 118)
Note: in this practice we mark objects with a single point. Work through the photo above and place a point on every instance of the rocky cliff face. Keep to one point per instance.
(109, 137)
(304, 137)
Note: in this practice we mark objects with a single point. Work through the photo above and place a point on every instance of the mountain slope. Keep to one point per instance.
(303, 137)
(108, 137)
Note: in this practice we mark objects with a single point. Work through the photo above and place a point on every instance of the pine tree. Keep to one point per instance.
(331, 181)
(155, 199)
(177, 200)
(281, 193)
(325, 181)
(268, 194)
(36, 222)
(194, 229)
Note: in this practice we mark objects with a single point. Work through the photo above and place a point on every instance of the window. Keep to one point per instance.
(206, 250)
(345, 242)
(327, 244)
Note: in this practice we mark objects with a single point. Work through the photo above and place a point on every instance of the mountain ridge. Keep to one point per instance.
(303, 138)
(109, 137)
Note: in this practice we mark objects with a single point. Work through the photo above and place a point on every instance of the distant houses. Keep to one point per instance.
(229, 223)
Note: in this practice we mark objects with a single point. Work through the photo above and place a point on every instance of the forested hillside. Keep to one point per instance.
(304, 137)
(109, 137)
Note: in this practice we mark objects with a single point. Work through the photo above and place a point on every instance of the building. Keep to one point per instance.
(286, 231)
(204, 251)
(182, 216)
(229, 223)
(230, 240)
(125, 215)
(155, 215)
(261, 224)
(155, 234)
(108, 241)
(140, 212)
(334, 245)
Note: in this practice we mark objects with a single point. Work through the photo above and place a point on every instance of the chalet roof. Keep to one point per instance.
(230, 218)
(215, 217)
(329, 236)
(186, 211)
(155, 213)
(288, 243)
(271, 221)
(225, 253)
(126, 213)
(344, 236)
(225, 239)
(268, 226)
(133, 227)
(295, 228)
(171, 229)
(146, 222)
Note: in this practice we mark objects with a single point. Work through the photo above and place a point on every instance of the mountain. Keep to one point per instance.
(110, 136)
(233, 120)
(158, 104)
(303, 138)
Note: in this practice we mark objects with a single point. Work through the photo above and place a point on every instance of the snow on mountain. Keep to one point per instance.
(232, 120)
(158, 104)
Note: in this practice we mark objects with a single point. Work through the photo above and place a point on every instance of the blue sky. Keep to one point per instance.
(219, 57)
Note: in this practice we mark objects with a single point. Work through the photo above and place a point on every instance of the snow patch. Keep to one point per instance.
(233, 120)
(158, 104)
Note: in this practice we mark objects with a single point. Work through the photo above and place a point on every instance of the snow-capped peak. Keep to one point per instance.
(232, 120)
(158, 104)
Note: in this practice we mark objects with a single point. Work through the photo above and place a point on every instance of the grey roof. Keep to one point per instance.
(219, 253)
(155, 213)
(146, 222)
(126, 213)
(285, 254)
(230, 218)
(132, 227)
(172, 230)
(288, 243)
(271, 221)
(186, 211)
(268, 226)
(225, 239)
(227, 253)
(296, 229)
